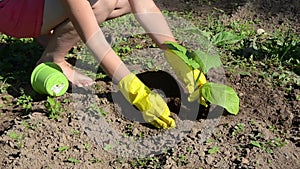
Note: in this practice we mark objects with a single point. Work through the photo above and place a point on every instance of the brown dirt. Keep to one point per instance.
(114, 137)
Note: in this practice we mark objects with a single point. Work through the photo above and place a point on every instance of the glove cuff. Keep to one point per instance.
(134, 90)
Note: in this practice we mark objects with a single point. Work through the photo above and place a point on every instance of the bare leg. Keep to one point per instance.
(64, 36)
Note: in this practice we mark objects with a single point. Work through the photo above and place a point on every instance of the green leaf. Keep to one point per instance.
(213, 150)
(196, 59)
(176, 47)
(51, 101)
(107, 147)
(183, 53)
(200, 32)
(255, 143)
(73, 160)
(221, 95)
(63, 148)
(225, 38)
(206, 61)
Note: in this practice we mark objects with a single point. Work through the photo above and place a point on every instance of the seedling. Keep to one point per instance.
(13, 135)
(95, 160)
(107, 147)
(75, 132)
(53, 107)
(181, 160)
(238, 129)
(214, 93)
(25, 101)
(87, 146)
(29, 125)
(269, 144)
(73, 160)
(3, 85)
(99, 110)
(213, 150)
(17, 138)
(63, 148)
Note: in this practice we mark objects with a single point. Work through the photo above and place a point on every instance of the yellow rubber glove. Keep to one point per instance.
(154, 109)
(187, 75)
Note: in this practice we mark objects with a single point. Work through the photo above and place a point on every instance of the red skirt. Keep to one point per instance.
(21, 18)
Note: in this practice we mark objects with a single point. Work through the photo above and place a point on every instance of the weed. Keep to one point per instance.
(75, 132)
(95, 160)
(120, 160)
(13, 135)
(145, 161)
(87, 146)
(189, 149)
(73, 160)
(213, 150)
(238, 129)
(99, 110)
(101, 75)
(3, 85)
(210, 140)
(181, 160)
(29, 125)
(25, 101)
(141, 134)
(107, 147)
(269, 144)
(17, 138)
(53, 107)
(63, 148)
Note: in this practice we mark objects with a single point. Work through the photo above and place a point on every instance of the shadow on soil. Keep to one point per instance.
(164, 84)
(18, 58)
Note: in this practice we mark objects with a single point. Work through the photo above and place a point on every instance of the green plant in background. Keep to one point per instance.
(238, 129)
(73, 160)
(98, 110)
(17, 138)
(221, 39)
(213, 150)
(218, 94)
(63, 148)
(87, 146)
(95, 160)
(29, 125)
(53, 107)
(268, 145)
(145, 161)
(3, 85)
(75, 132)
(25, 101)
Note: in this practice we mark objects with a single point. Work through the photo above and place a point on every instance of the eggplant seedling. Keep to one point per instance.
(218, 94)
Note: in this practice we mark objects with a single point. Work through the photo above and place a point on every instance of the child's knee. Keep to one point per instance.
(108, 5)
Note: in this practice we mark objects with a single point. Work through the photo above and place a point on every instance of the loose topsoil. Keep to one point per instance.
(99, 129)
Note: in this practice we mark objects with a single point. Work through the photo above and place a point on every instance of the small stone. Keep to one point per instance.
(260, 31)
(202, 154)
(193, 133)
(126, 165)
(135, 131)
(209, 159)
(11, 144)
(227, 153)
(245, 161)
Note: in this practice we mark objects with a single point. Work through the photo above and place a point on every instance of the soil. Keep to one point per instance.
(99, 129)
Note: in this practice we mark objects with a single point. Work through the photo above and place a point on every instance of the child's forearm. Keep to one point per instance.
(152, 20)
(108, 59)
(85, 23)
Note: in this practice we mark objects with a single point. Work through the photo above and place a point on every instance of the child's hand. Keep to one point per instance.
(154, 109)
(192, 78)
